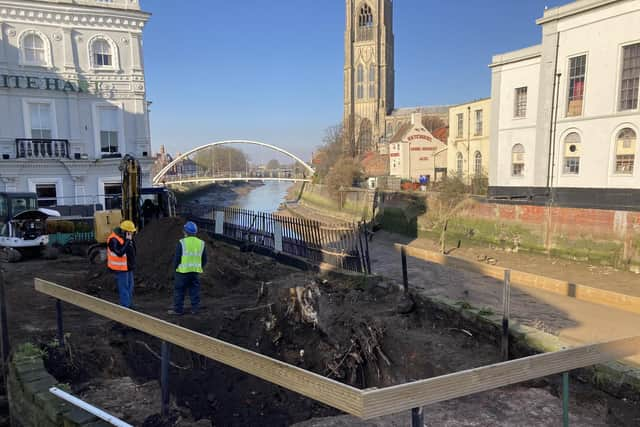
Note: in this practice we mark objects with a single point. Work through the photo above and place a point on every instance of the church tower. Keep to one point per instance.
(368, 72)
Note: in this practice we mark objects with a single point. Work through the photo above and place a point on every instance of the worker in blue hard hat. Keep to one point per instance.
(190, 259)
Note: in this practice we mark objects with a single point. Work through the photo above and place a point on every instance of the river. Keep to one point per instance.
(266, 198)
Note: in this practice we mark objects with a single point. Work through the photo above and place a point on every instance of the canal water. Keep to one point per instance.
(265, 198)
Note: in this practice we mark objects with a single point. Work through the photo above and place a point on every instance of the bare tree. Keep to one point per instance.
(432, 122)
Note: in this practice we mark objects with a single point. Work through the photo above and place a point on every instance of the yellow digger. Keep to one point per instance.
(132, 194)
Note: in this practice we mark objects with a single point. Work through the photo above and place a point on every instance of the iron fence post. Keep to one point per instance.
(164, 378)
(417, 417)
(405, 276)
(565, 399)
(60, 326)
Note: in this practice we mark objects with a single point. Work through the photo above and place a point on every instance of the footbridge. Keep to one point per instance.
(226, 161)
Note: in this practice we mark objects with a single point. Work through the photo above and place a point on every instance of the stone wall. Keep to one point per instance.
(606, 237)
(350, 204)
(30, 402)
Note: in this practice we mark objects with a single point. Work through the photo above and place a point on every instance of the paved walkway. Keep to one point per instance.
(574, 321)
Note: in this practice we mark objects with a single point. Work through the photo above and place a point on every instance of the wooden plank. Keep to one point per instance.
(309, 384)
(404, 397)
(521, 279)
(364, 404)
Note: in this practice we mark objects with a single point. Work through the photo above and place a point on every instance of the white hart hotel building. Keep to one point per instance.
(72, 97)
(565, 126)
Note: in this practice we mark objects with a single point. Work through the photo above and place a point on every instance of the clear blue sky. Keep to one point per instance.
(273, 70)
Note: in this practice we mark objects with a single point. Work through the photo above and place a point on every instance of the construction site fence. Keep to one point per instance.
(343, 246)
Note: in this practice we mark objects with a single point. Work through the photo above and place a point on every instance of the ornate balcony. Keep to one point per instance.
(42, 148)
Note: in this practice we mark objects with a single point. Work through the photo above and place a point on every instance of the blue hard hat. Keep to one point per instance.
(190, 228)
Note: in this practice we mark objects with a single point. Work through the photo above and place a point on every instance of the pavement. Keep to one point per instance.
(573, 321)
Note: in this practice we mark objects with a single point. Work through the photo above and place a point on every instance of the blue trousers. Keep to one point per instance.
(125, 287)
(186, 282)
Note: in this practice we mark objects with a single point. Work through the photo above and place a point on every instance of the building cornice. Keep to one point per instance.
(573, 8)
(530, 52)
(72, 17)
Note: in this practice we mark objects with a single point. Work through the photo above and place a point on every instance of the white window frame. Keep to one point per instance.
(106, 180)
(584, 89)
(32, 182)
(48, 62)
(619, 81)
(613, 154)
(563, 157)
(115, 57)
(97, 128)
(512, 163)
(515, 103)
(26, 115)
(480, 122)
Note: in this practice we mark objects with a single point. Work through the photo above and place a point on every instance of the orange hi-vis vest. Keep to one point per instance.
(115, 262)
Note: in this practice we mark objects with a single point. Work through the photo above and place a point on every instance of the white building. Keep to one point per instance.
(566, 116)
(414, 153)
(72, 97)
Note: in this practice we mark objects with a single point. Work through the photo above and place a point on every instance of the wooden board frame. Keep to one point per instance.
(529, 280)
(365, 404)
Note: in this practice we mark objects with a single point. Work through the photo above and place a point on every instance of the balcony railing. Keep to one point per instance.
(42, 148)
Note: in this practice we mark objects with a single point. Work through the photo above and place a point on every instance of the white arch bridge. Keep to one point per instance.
(184, 170)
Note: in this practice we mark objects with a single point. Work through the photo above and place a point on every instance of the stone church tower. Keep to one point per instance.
(368, 72)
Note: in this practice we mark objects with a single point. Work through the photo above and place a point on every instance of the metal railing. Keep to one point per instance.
(28, 148)
(344, 246)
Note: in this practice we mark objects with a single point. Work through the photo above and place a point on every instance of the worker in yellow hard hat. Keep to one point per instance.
(121, 259)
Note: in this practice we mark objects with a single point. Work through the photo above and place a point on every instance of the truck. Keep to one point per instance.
(22, 226)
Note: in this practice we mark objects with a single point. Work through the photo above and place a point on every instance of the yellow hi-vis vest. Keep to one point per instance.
(191, 261)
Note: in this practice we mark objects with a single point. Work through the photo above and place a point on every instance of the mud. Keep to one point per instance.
(361, 332)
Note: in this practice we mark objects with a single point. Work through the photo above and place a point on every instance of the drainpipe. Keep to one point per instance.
(553, 114)
(469, 145)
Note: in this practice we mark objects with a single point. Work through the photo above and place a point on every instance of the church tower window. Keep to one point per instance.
(372, 81)
(365, 24)
(360, 87)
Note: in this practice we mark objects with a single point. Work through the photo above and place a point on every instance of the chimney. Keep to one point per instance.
(416, 118)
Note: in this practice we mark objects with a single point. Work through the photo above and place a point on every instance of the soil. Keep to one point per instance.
(361, 332)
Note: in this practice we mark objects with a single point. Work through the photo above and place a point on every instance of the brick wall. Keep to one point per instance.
(30, 402)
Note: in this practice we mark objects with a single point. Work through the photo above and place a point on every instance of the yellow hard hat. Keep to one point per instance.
(128, 226)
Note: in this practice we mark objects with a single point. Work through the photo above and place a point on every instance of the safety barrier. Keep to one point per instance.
(365, 404)
(344, 246)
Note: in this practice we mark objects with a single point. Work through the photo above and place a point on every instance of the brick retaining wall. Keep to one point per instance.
(30, 402)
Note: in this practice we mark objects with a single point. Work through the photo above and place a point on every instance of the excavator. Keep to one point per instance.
(132, 194)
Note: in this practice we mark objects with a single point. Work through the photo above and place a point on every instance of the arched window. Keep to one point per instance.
(517, 160)
(389, 129)
(459, 163)
(102, 53)
(360, 86)
(364, 137)
(626, 142)
(34, 50)
(372, 81)
(572, 154)
(365, 23)
(477, 163)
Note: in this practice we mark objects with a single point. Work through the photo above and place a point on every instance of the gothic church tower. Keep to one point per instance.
(368, 72)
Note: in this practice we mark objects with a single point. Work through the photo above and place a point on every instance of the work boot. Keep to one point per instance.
(174, 313)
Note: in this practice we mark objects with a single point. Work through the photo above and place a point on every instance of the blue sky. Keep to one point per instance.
(273, 70)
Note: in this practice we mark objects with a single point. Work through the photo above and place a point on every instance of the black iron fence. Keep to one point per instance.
(341, 245)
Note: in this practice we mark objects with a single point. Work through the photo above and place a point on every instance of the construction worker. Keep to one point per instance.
(121, 259)
(190, 259)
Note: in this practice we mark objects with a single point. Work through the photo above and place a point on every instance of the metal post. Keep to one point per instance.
(506, 302)
(417, 417)
(6, 347)
(164, 378)
(565, 399)
(60, 328)
(405, 278)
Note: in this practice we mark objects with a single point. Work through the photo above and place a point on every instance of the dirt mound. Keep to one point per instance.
(227, 267)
